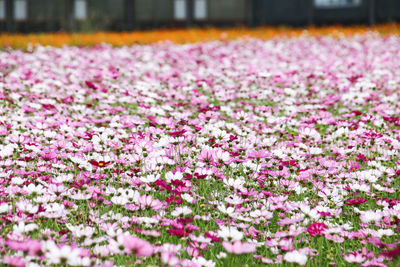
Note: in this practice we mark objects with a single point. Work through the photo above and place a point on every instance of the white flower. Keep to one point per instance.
(6, 151)
(309, 132)
(149, 178)
(17, 180)
(230, 233)
(384, 232)
(169, 259)
(188, 198)
(22, 228)
(63, 255)
(315, 150)
(230, 210)
(169, 176)
(31, 188)
(181, 211)
(200, 238)
(119, 200)
(370, 216)
(101, 250)
(200, 261)
(27, 206)
(296, 257)
(77, 194)
(234, 199)
(54, 210)
(4, 207)
(262, 213)
(235, 183)
(81, 230)
(221, 255)
(113, 231)
(116, 246)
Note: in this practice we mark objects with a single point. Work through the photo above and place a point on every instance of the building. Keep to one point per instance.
(122, 15)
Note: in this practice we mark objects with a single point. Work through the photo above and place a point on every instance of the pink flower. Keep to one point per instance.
(206, 156)
(258, 154)
(137, 246)
(14, 261)
(169, 258)
(316, 229)
(148, 201)
(193, 252)
(354, 257)
(48, 154)
(334, 238)
(238, 247)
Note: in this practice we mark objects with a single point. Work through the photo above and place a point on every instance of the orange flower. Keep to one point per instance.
(185, 35)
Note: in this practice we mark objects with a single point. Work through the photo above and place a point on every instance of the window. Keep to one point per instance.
(336, 3)
(180, 9)
(20, 10)
(2, 9)
(80, 9)
(200, 9)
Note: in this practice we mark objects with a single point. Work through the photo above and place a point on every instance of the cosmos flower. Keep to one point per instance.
(100, 164)
(164, 141)
(355, 201)
(316, 229)
(394, 253)
(230, 233)
(295, 257)
(137, 246)
(61, 255)
(15, 261)
(354, 257)
(260, 154)
(239, 247)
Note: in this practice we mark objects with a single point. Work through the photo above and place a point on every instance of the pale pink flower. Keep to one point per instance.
(354, 257)
(239, 247)
(169, 258)
(14, 261)
(205, 156)
(260, 154)
(137, 246)
(296, 257)
(148, 201)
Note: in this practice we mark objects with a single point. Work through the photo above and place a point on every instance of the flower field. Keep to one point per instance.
(247, 152)
(181, 36)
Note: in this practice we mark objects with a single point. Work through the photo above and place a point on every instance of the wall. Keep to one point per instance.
(227, 10)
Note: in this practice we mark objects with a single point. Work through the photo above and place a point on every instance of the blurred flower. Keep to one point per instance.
(238, 247)
(295, 257)
(137, 246)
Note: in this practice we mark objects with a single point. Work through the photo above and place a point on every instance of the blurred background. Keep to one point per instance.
(127, 15)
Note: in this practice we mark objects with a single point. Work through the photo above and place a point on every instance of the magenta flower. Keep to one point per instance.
(355, 201)
(316, 229)
(394, 253)
(100, 164)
